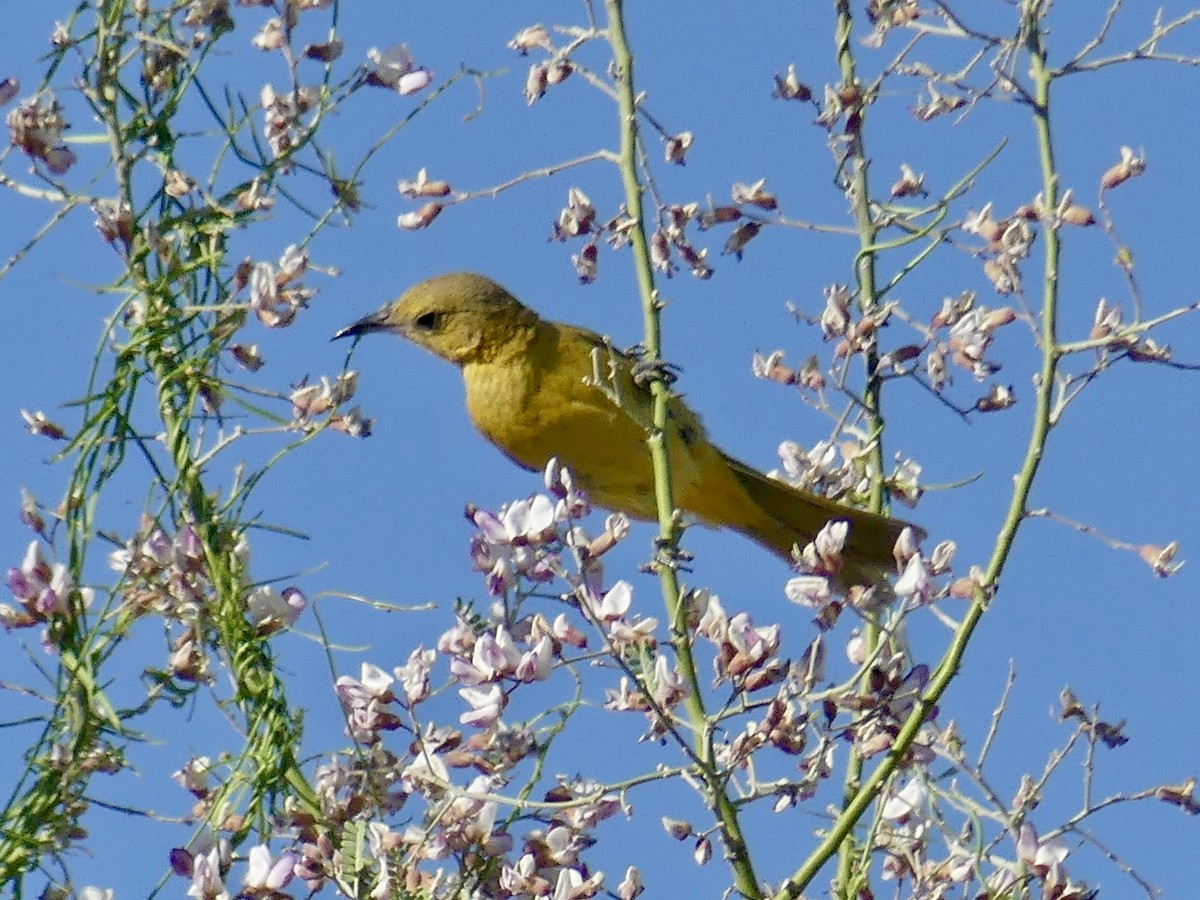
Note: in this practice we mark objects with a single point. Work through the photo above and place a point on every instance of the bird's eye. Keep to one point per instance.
(428, 321)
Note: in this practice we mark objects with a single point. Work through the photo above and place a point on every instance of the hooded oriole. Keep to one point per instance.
(530, 392)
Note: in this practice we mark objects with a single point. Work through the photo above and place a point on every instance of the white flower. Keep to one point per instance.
(486, 704)
(271, 610)
(394, 67)
(911, 799)
(808, 590)
(915, 582)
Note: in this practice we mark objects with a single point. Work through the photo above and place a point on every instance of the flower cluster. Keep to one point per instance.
(43, 591)
(283, 125)
(670, 239)
(489, 660)
(310, 401)
(460, 823)
(276, 292)
(747, 655)
(910, 823)
(524, 538)
(163, 574)
(36, 128)
(169, 576)
(208, 863)
(543, 74)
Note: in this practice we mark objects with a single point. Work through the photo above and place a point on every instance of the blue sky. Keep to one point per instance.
(384, 517)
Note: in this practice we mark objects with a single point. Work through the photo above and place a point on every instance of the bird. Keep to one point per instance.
(531, 392)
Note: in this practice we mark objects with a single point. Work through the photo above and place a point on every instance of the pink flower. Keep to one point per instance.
(613, 605)
(264, 876)
(808, 590)
(271, 611)
(414, 675)
(906, 802)
(486, 705)
(915, 583)
(534, 664)
(669, 687)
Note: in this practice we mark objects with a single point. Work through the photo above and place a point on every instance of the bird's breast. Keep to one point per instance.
(534, 415)
(508, 408)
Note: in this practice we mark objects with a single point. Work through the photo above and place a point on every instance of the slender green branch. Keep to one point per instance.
(858, 190)
(669, 531)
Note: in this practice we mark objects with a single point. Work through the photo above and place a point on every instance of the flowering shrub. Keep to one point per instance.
(457, 773)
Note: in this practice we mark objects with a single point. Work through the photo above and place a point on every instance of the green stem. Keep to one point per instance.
(859, 192)
(714, 779)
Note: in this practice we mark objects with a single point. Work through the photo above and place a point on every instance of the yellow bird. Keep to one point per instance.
(530, 392)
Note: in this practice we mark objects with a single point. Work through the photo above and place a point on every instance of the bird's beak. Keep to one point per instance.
(376, 321)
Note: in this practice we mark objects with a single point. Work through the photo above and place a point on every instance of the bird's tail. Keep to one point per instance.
(794, 517)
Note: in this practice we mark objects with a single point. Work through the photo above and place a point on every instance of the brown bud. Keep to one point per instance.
(677, 146)
(998, 318)
(37, 424)
(741, 236)
(1078, 215)
(1001, 276)
(679, 829)
(559, 71)
(719, 215)
(419, 218)
(899, 356)
(528, 38)
(1131, 165)
(241, 274)
(910, 183)
(1161, 559)
(326, 52)
(423, 186)
(849, 94)
(962, 588)
(998, 397)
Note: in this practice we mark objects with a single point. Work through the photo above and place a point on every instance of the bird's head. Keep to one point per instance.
(461, 317)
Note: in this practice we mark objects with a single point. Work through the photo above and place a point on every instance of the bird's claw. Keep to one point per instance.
(645, 371)
(669, 553)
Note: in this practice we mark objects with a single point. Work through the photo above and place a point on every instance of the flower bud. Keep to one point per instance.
(420, 218)
(528, 38)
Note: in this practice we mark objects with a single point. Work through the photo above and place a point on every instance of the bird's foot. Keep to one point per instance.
(667, 552)
(646, 370)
